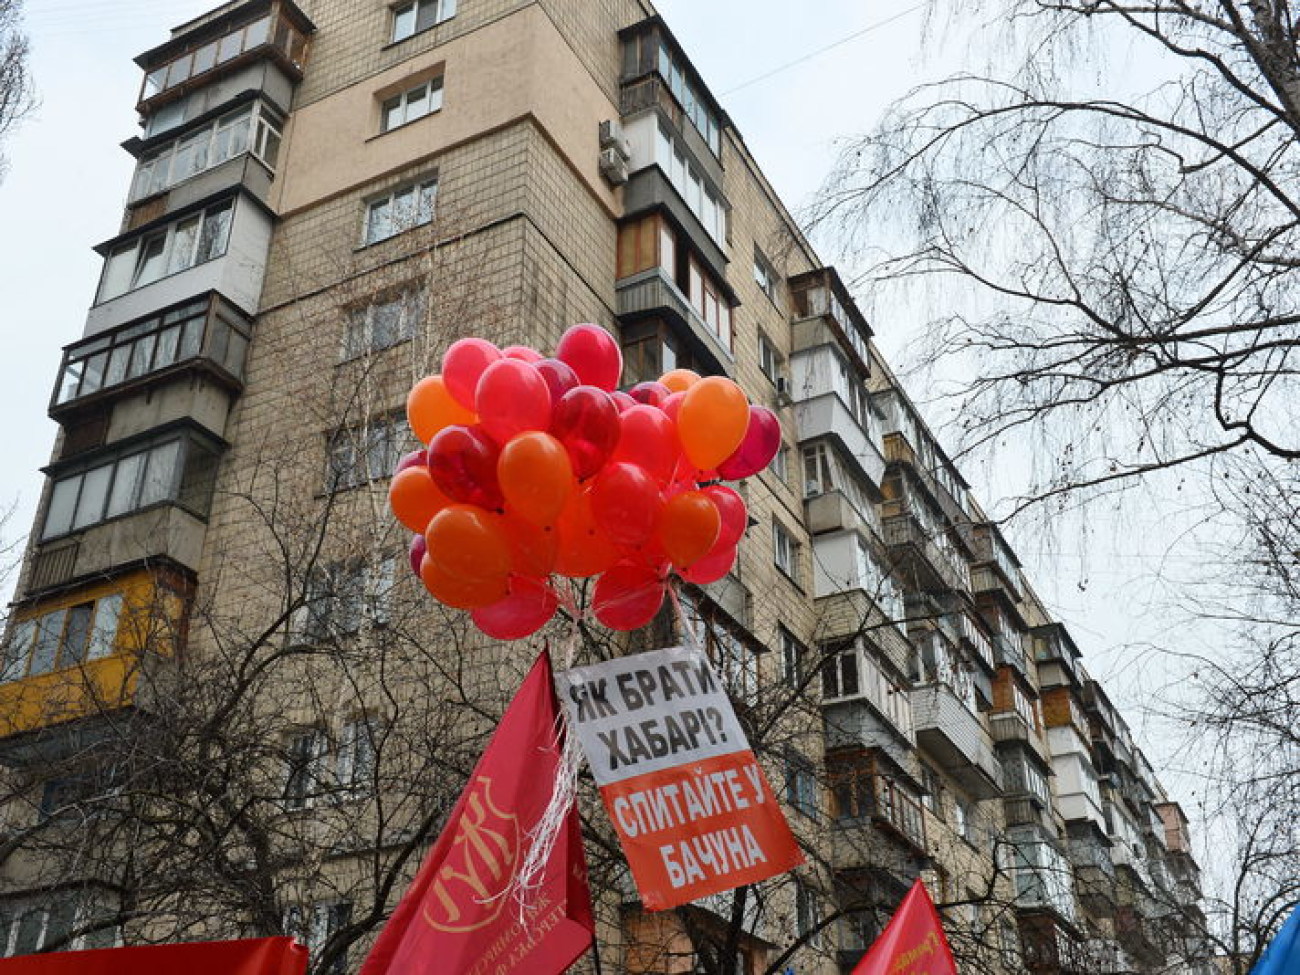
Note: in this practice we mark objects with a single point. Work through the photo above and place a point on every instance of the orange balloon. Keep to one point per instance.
(415, 499)
(536, 476)
(688, 527)
(468, 543)
(680, 380)
(712, 421)
(430, 408)
(459, 592)
(533, 548)
(584, 550)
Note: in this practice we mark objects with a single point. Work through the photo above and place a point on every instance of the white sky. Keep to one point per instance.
(68, 179)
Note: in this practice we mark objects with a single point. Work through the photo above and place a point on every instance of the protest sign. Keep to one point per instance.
(691, 805)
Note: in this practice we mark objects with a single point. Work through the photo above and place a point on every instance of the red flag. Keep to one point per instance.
(458, 917)
(262, 956)
(912, 942)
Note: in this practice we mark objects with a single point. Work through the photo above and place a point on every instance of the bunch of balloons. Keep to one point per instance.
(538, 468)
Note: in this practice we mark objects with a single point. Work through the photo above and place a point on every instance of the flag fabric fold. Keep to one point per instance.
(260, 956)
(913, 942)
(1282, 956)
(460, 915)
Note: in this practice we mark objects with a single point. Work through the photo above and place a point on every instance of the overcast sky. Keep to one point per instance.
(791, 82)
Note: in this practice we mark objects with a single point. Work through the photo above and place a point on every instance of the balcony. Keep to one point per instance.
(948, 730)
(947, 489)
(207, 335)
(886, 805)
(83, 655)
(1057, 657)
(831, 511)
(653, 293)
(1009, 650)
(826, 415)
(852, 612)
(919, 557)
(821, 301)
(974, 639)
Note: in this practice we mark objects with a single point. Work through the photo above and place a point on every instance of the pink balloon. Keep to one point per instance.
(463, 462)
(734, 515)
(586, 421)
(712, 567)
(416, 458)
(651, 393)
(762, 441)
(528, 608)
(594, 355)
(512, 397)
(623, 401)
(649, 440)
(628, 595)
(625, 503)
(418, 548)
(463, 364)
(672, 405)
(559, 377)
(521, 352)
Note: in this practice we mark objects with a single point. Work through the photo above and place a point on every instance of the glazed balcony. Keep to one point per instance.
(918, 553)
(653, 294)
(940, 479)
(952, 734)
(825, 311)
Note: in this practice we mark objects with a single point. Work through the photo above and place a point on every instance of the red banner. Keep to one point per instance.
(912, 943)
(459, 916)
(263, 956)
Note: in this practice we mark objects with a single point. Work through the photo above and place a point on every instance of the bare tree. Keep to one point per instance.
(16, 95)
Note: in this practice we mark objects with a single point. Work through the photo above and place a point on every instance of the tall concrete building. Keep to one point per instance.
(225, 707)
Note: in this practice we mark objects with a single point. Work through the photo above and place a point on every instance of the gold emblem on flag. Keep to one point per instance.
(468, 892)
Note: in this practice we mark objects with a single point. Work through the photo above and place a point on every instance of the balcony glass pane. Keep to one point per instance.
(76, 635)
(49, 629)
(126, 486)
(104, 631)
(94, 493)
(258, 33)
(160, 477)
(205, 57)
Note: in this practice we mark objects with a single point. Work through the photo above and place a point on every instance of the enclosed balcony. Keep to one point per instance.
(997, 570)
(1058, 659)
(920, 547)
(84, 653)
(910, 446)
(952, 734)
(825, 312)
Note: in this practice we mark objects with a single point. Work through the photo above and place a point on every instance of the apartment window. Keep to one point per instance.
(647, 243)
(794, 657)
(875, 581)
(709, 302)
(60, 921)
(694, 106)
(769, 359)
(180, 470)
(384, 323)
(785, 551)
(734, 658)
(342, 596)
(410, 19)
(151, 345)
(414, 103)
(61, 638)
(398, 211)
(652, 348)
(354, 762)
(364, 453)
(674, 159)
(781, 463)
(808, 912)
(764, 275)
(252, 129)
(840, 673)
(304, 769)
(800, 784)
(932, 791)
(188, 242)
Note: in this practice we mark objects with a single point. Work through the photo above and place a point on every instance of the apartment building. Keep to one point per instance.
(225, 707)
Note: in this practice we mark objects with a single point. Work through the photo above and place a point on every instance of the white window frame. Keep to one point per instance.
(193, 239)
(343, 597)
(770, 359)
(383, 220)
(367, 452)
(407, 16)
(163, 168)
(360, 336)
(411, 105)
(785, 551)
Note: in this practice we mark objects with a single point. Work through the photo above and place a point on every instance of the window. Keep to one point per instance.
(410, 19)
(709, 302)
(932, 791)
(304, 770)
(764, 275)
(251, 129)
(688, 96)
(382, 324)
(794, 657)
(415, 103)
(651, 348)
(800, 784)
(404, 208)
(354, 761)
(840, 673)
(151, 345)
(364, 453)
(317, 766)
(876, 582)
(734, 658)
(785, 551)
(180, 470)
(343, 596)
(314, 925)
(647, 243)
(781, 463)
(60, 921)
(808, 912)
(769, 359)
(216, 52)
(188, 242)
(674, 160)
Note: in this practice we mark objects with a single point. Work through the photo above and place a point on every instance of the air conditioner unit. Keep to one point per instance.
(613, 166)
(783, 391)
(611, 137)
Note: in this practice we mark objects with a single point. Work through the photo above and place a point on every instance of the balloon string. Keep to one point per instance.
(684, 625)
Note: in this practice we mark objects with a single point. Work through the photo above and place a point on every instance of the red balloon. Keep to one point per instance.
(623, 401)
(463, 462)
(627, 596)
(528, 608)
(586, 421)
(651, 393)
(463, 364)
(533, 548)
(594, 355)
(672, 405)
(418, 549)
(521, 352)
(559, 377)
(625, 503)
(762, 441)
(734, 515)
(416, 458)
(649, 440)
(712, 567)
(512, 398)
(584, 550)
